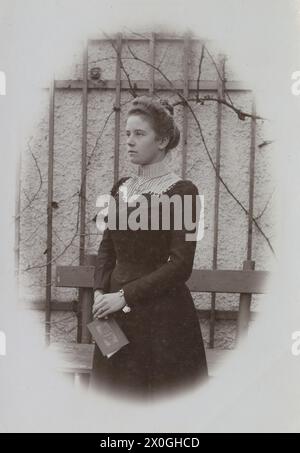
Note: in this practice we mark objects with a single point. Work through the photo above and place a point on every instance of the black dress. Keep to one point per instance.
(165, 353)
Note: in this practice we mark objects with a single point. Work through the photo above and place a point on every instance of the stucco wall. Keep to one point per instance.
(235, 154)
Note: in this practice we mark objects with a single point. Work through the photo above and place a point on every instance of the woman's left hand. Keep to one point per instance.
(109, 303)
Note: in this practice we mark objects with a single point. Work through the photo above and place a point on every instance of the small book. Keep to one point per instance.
(108, 335)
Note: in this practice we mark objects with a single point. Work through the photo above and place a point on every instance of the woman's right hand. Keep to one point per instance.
(98, 294)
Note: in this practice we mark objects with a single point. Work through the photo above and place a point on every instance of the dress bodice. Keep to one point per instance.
(142, 250)
(140, 257)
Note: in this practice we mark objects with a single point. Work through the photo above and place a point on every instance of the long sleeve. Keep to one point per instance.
(105, 262)
(179, 266)
(106, 257)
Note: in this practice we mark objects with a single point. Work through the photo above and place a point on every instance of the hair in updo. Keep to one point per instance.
(160, 113)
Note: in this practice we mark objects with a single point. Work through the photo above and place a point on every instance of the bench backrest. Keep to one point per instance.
(244, 282)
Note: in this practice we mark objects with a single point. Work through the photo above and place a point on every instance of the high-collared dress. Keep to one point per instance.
(165, 351)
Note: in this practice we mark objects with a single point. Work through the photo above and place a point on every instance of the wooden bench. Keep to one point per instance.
(76, 358)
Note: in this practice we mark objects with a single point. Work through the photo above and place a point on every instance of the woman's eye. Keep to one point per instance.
(137, 133)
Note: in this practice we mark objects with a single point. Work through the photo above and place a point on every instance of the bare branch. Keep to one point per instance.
(183, 98)
(164, 55)
(199, 72)
(40, 183)
(241, 115)
(219, 74)
(98, 138)
(131, 87)
(266, 205)
(40, 266)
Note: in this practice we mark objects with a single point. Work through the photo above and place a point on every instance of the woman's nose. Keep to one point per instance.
(130, 140)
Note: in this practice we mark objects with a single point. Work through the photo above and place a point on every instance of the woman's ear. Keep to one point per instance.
(163, 142)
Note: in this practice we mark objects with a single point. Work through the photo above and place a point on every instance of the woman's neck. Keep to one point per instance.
(153, 169)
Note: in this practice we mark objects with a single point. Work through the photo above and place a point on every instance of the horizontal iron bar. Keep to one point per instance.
(204, 85)
(158, 37)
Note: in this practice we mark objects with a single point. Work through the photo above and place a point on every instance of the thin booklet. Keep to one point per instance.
(108, 335)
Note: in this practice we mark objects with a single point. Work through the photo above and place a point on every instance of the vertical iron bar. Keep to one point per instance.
(249, 264)
(117, 107)
(152, 62)
(221, 88)
(83, 155)
(244, 313)
(87, 303)
(186, 56)
(251, 181)
(83, 181)
(49, 213)
(152, 42)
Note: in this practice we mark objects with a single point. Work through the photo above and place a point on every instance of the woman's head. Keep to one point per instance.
(151, 130)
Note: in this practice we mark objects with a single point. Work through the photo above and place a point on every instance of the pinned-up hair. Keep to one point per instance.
(160, 113)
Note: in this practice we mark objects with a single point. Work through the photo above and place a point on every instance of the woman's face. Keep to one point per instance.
(142, 145)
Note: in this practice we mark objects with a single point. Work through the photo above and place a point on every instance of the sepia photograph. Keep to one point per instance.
(150, 247)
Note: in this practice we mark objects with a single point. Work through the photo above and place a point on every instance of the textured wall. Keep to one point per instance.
(235, 152)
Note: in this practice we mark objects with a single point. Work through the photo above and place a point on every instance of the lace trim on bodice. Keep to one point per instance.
(137, 185)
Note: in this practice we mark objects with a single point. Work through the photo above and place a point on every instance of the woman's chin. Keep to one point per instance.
(134, 159)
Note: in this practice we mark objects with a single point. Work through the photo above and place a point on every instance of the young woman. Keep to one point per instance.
(141, 274)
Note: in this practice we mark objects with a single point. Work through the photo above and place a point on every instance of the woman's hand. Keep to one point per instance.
(106, 304)
(98, 295)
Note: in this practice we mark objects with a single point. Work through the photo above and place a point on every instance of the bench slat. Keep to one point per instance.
(228, 281)
(75, 276)
(201, 280)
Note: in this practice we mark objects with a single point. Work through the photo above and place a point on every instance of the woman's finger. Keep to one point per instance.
(103, 308)
(98, 303)
(104, 313)
(98, 297)
(100, 309)
(97, 310)
(99, 300)
(95, 306)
